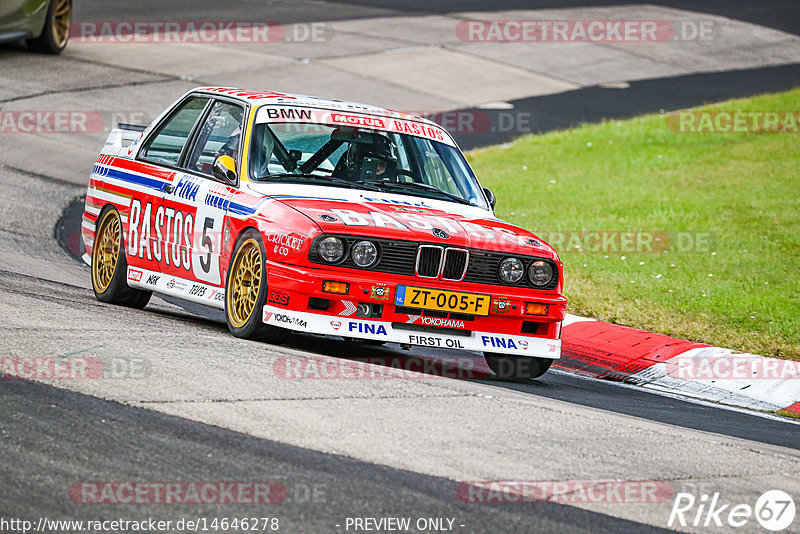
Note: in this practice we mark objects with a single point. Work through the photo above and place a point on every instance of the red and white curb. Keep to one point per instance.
(655, 361)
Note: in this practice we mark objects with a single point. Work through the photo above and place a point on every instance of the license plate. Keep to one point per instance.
(436, 299)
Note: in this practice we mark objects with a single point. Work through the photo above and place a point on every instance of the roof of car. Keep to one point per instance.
(272, 98)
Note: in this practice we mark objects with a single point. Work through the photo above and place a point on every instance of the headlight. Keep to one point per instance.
(540, 273)
(511, 270)
(364, 253)
(331, 249)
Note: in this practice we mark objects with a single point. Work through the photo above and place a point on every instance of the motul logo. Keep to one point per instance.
(355, 120)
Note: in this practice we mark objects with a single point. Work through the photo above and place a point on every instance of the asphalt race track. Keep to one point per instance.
(183, 400)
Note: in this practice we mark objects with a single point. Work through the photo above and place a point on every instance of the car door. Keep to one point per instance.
(154, 223)
(200, 201)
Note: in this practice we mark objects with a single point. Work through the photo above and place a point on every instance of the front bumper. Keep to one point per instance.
(292, 293)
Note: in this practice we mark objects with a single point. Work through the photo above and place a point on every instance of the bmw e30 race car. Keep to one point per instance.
(295, 213)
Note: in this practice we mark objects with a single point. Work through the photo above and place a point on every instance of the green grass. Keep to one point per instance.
(741, 290)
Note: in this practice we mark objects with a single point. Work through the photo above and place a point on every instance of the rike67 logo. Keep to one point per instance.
(774, 510)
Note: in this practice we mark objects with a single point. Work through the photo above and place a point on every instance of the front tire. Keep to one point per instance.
(517, 368)
(110, 266)
(246, 291)
(55, 33)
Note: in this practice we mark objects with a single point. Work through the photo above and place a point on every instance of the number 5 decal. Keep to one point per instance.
(207, 244)
(205, 263)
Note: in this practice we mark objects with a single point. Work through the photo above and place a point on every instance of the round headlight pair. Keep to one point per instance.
(332, 249)
(511, 271)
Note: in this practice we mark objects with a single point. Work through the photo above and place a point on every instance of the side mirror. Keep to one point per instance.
(490, 196)
(224, 169)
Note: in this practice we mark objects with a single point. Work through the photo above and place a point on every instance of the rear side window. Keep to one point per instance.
(170, 138)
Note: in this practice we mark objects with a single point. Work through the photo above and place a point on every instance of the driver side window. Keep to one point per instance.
(219, 135)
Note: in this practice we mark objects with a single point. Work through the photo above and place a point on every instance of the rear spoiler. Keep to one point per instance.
(121, 137)
(131, 127)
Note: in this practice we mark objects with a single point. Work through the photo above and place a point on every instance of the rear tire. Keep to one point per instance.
(517, 368)
(110, 266)
(55, 34)
(246, 291)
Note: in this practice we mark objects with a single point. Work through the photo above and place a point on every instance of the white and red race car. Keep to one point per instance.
(299, 213)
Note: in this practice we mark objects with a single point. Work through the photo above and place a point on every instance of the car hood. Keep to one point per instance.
(392, 216)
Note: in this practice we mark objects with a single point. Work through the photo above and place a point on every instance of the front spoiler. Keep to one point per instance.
(312, 323)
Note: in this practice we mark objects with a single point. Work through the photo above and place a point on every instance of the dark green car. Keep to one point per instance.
(44, 24)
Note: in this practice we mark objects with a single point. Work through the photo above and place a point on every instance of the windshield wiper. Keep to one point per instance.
(292, 176)
(423, 187)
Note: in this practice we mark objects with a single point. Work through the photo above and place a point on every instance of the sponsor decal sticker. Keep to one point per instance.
(172, 227)
(435, 321)
(367, 328)
(380, 292)
(501, 305)
(435, 341)
(503, 342)
(197, 290)
(176, 284)
(289, 319)
(217, 295)
(279, 113)
(278, 297)
(187, 187)
(357, 120)
(135, 275)
(284, 243)
(336, 325)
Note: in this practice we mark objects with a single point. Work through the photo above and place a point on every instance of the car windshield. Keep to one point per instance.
(362, 158)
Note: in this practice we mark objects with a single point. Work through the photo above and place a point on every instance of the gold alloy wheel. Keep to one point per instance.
(62, 17)
(105, 254)
(244, 283)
